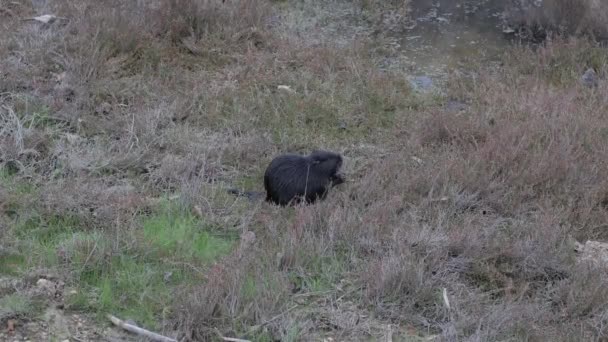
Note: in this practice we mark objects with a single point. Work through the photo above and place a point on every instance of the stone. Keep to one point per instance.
(592, 251)
(422, 82)
(589, 78)
(455, 106)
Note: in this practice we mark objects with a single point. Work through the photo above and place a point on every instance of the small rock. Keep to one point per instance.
(286, 88)
(198, 211)
(72, 139)
(10, 325)
(589, 78)
(422, 82)
(45, 284)
(593, 251)
(455, 106)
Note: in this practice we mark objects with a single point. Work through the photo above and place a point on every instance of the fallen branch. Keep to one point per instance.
(46, 19)
(230, 339)
(139, 331)
(256, 327)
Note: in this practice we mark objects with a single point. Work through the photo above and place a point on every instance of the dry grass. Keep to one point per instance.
(562, 16)
(125, 103)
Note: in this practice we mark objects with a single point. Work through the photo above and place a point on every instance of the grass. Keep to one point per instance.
(175, 232)
(561, 17)
(123, 127)
(11, 263)
(14, 305)
(135, 283)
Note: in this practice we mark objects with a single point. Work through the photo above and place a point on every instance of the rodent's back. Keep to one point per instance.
(291, 175)
(283, 178)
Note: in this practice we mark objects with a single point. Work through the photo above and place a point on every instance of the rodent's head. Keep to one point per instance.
(325, 162)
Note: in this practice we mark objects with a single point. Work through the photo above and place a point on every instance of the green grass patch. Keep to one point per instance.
(18, 192)
(259, 282)
(138, 283)
(177, 232)
(6, 176)
(133, 276)
(133, 287)
(137, 289)
(32, 112)
(321, 272)
(15, 305)
(11, 263)
(47, 230)
(39, 237)
(13, 184)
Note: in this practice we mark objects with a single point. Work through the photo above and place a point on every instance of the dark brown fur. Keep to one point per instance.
(290, 177)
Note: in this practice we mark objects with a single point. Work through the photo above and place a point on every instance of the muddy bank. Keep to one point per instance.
(445, 35)
(426, 40)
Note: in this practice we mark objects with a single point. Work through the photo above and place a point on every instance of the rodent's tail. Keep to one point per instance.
(235, 192)
(251, 195)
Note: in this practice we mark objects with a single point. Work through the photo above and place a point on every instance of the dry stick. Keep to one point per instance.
(139, 331)
(256, 327)
(231, 339)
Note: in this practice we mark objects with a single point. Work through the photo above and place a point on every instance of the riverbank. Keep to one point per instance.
(471, 174)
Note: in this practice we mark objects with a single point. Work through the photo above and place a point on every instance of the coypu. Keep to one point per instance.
(289, 177)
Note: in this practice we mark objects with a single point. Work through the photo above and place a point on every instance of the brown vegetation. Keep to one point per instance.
(124, 103)
(562, 16)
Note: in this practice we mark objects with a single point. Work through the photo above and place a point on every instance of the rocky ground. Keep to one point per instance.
(55, 324)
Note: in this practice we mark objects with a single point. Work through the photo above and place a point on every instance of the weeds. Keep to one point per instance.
(13, 306)
(562, 16)
(123, 127)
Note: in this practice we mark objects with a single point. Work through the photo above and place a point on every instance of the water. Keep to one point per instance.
(437, 36)
(448, 34)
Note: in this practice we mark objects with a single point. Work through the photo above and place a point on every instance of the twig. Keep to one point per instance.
(311, 294)
(231, 339)
(256, 327)
(140, 331)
